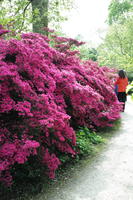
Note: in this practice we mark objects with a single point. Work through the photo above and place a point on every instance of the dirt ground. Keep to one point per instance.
(109, 176)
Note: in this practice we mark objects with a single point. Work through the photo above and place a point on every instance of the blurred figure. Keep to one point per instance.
(122, 83)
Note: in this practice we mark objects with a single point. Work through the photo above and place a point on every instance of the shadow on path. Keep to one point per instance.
(110, 175)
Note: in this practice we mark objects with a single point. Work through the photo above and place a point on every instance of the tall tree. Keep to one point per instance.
(21, 15)
(40, 14)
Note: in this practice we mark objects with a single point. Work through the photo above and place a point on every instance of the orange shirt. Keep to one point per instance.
(122, 84)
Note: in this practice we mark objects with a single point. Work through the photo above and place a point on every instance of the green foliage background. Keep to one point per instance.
(116, 49)
(20, 16)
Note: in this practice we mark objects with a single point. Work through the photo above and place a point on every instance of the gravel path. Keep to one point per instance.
(109, 176)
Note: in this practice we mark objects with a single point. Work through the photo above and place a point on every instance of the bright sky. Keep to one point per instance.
(88, 20)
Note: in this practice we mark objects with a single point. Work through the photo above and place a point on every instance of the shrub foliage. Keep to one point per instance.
(46, 93)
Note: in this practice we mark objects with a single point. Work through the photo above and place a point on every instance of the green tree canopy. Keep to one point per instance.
(117, 47)
(118, 10)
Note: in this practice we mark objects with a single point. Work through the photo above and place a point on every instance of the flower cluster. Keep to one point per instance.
(3, 31)
(46, 93)
(13, 150)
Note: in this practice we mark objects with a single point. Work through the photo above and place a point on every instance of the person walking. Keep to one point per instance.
(121, 83)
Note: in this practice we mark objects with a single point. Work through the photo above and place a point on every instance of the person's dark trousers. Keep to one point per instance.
(122, 97)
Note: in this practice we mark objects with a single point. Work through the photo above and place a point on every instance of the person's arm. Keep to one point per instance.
(117, 81)
(127, 81)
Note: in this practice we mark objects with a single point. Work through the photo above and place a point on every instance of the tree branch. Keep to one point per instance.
(24, 11)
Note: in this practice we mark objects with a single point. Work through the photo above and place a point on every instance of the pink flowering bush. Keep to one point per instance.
(45, 94)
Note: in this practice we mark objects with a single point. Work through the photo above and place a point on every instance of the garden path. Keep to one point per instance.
(109, 176)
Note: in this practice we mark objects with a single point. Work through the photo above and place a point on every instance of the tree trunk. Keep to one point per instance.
(40, 20)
